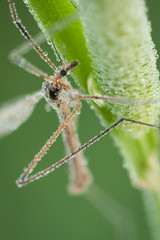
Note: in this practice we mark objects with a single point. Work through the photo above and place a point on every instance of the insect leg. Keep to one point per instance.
(21, 62)
(122, 220)
(27, 36)
(23, 179)
(17, 53)
(133, 103)
(80, 176)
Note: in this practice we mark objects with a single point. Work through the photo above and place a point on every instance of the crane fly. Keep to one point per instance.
(60, 95)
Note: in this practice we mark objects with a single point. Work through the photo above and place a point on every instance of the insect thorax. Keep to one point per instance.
(56, 95)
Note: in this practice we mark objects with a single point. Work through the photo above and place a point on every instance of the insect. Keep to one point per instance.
(59, 93)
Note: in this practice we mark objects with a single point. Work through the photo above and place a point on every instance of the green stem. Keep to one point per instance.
(152, 205)
(122, 61)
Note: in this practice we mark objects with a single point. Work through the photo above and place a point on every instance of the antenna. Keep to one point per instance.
(54, 46)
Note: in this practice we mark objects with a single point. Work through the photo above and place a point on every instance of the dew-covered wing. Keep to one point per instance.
(14, 113)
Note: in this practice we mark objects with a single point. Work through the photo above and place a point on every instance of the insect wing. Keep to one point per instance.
(14, 113)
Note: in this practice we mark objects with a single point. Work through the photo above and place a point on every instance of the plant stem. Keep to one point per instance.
(123, 58)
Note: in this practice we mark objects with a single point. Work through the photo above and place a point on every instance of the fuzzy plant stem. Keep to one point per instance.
(124, 63)
(112, 42)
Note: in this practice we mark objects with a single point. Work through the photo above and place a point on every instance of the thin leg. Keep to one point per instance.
(23, 179)
(32, 69)
(16, 57)
(133, 103)
(65, 159)
(27, 36)
(122, 220)
(80, 176)
(21, 62)
(24, 48)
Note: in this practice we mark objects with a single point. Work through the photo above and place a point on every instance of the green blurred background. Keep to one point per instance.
(44, 209)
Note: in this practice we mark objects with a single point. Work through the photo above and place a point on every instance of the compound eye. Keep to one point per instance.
(53, 93)
(63, 72)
